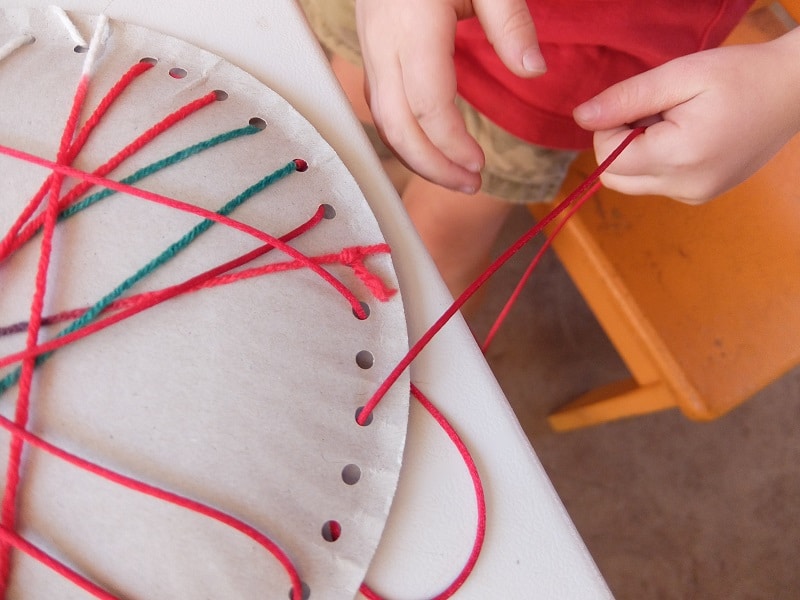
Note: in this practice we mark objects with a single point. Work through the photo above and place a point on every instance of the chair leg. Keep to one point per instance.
(610, 402)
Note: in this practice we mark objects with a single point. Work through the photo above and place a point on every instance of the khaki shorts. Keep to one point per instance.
(515, 170)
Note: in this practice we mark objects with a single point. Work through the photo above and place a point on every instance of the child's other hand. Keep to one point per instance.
(723, 114)
(407, 48)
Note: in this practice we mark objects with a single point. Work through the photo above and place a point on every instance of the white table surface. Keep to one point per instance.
(532, 550)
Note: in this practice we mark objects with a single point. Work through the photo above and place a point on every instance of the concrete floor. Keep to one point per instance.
(670, 509)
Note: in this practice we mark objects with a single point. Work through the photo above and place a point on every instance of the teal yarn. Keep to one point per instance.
(175, 248)
(13, 377)
(157, 166)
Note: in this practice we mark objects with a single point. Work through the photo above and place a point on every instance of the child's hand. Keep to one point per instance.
(723, 114)
(407, 48)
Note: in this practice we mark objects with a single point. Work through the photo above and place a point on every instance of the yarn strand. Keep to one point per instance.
(154, 492)
(15, 44)
(8, 507)
(74, 149)
(579, 192)
(14, 240)
(135, 305)
(190, 208)
(15, 540)
(480, 501)
(373, 282)
(532, 266)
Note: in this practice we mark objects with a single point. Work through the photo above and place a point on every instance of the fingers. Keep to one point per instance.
(411, 82)
(652, 162)
(412, 89)
(655, 163)
(509, 27)
(429, 80)
(725, 112)
(632, 171)
(641, 97)
(432, 141)
(642, 155)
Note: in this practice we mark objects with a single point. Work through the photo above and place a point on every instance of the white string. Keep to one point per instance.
(15, 44)
(95, 46)
(70, 27)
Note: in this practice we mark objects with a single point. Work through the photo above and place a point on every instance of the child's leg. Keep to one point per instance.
(351, 78)
(458, 230)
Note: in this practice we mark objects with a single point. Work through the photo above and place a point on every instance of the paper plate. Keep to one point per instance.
(241, 397)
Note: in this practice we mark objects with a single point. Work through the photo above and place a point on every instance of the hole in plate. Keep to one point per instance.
(178, 73)
(220, 95)
(305, 591)
(300, 165)
(258, 123)
(365, 308)
(330, 212)
(365, 359)
(149, 60)
(79, 49)
(359, 410)
(351, 474)
(331, 531)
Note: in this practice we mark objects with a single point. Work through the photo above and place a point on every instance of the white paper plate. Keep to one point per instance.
(241, 397)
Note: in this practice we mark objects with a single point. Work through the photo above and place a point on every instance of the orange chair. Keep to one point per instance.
(701, 302)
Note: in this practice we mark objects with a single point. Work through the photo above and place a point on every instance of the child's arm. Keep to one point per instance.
(407, 47)
(725, 113)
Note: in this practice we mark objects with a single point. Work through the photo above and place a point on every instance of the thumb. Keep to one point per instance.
(509, 27)
(633, 101)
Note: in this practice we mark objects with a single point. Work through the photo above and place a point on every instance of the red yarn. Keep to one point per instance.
(13, 539)
(380, 290)
(468, 293)
(154, 492)
(534, 263)
(10, 244)
(74, 149)
(190, 208)
(108, 100)
(480, 500)
(8, 510)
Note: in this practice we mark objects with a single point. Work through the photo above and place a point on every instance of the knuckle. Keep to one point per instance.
(630, 93)
(392, 132)
(425, 108)
(518, 21)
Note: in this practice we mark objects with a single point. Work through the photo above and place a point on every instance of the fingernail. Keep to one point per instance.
(587, 112)
(533, 62)
(468, 189)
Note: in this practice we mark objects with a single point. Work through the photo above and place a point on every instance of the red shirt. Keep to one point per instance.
(587, 45)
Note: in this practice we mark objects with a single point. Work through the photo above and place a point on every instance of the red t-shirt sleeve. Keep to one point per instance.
(588, 45)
